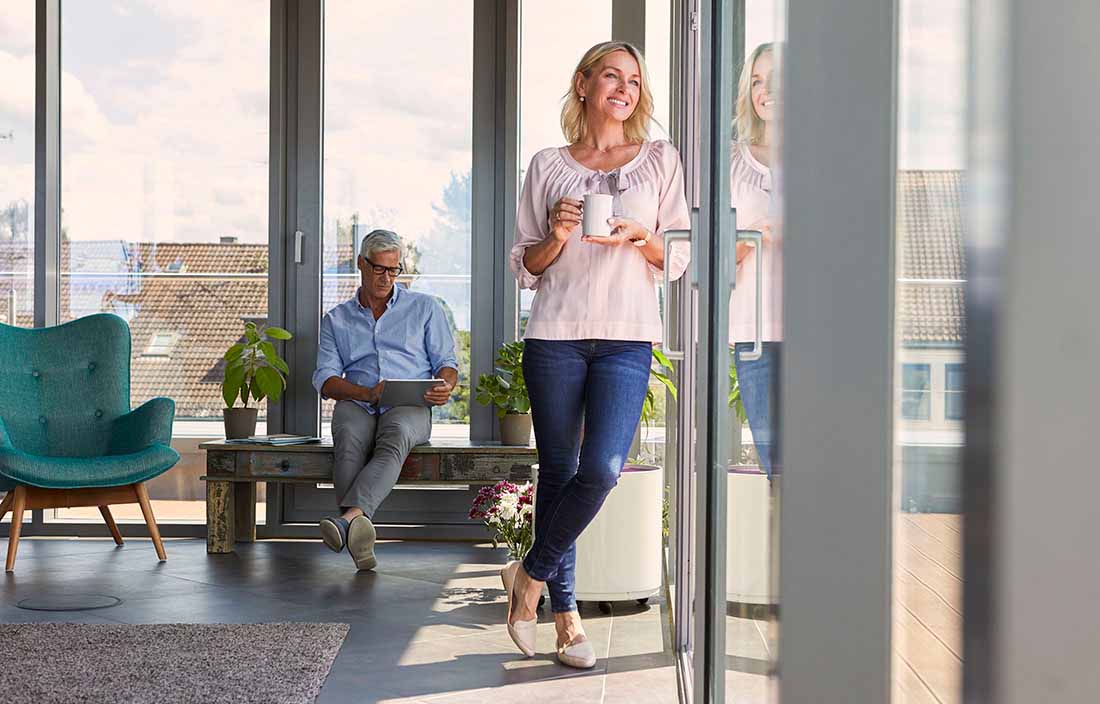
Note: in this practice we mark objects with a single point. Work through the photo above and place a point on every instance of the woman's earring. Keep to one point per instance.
(582, 98)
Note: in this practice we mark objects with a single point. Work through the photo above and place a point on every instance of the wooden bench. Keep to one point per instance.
(232, 471)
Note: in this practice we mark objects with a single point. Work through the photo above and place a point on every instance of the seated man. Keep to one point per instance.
(386, 331)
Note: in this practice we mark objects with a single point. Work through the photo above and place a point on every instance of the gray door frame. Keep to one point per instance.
(836, 395)
(1030, 477)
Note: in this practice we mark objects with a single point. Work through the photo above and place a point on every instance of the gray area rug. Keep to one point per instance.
(281, 663)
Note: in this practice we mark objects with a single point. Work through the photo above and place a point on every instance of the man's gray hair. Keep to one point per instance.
(378, 241)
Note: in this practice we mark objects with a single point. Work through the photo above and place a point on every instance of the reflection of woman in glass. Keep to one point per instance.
(751, 187)
(588, 342)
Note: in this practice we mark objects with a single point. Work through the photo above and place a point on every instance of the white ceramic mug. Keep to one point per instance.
(597, 211)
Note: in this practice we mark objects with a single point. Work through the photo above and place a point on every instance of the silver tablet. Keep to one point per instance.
(407, 392)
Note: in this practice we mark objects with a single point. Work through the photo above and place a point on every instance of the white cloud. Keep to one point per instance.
(153, 151)
(17, 27)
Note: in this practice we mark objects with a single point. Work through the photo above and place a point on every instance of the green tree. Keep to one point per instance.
(446, 248)
(15, 218)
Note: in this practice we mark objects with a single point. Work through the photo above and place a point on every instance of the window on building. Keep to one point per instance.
(916, 391)
(953, 392)
(161, 344)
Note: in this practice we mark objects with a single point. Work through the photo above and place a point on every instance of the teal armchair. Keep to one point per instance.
(67, 434)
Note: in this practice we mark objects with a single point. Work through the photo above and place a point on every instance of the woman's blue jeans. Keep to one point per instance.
(757, 379)
(600, 383)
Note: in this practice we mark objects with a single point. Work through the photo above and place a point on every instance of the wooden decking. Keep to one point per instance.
(928, 581)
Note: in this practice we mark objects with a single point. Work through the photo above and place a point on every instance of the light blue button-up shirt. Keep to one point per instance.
(412, 340)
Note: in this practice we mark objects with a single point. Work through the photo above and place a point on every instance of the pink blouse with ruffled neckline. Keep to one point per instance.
(592, 292)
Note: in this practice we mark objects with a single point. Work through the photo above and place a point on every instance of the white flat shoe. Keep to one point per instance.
(579, 655)
(521, 632)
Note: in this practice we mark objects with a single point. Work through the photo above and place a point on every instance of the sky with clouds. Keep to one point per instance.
(165, 105)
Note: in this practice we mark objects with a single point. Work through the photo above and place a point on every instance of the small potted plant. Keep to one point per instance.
(254, 370)
(508, 510)
(507, 390)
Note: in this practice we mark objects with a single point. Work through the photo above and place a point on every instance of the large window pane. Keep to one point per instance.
(17, 165)
(17, 168)
(750, 550)
(398, 145)
(931, 272)
(552, 41)
(164, 110)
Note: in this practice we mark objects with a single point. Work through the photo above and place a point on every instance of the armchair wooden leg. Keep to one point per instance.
(111, 525)
(18, 504)
(5, 505)
(147, 511)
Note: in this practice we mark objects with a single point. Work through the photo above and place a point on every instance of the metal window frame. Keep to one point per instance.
(683, 127)
(47, 162)
(721, 47)
(837, 373)
(495, 193)
(47, 178)
(295, 206)
(628, 18)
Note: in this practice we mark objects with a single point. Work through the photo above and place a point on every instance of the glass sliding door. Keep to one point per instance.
(725, 498)
(786, 434)
(930, 326)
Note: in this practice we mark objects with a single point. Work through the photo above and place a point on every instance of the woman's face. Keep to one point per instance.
(763, 100)
(613, 88)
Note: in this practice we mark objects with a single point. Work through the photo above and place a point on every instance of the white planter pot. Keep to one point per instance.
(619, 553)
(748, 537)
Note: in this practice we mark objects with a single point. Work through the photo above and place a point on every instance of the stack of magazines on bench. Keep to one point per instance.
(277, 439)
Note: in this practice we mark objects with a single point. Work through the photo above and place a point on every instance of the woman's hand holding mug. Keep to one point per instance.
(623, 230)
(565, 217)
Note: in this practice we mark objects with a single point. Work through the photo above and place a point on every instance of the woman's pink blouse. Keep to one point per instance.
(592, 291)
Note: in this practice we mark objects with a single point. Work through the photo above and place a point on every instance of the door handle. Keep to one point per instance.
(670, 236)
(757, 238)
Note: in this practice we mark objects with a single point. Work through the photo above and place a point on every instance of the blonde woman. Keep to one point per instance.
(593, 321)
(752, 191)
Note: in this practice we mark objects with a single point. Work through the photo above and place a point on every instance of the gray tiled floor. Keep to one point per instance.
(426, 626)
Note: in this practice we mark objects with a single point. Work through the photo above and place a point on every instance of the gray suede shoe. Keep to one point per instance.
(334, 532)
(361, 537)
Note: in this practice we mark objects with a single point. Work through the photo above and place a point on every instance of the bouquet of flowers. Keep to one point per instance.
(508, 510)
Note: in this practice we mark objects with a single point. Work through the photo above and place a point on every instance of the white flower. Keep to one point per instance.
(526, 511)
(508, 506)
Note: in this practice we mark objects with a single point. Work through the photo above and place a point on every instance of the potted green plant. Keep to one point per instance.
(661, 371)
(737, 405)
(507, 390)
(254, 370)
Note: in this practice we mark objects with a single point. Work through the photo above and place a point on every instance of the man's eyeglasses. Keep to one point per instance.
(393, 271)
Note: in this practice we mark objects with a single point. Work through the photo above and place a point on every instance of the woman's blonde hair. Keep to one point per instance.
(574, 123)
(747, 124)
